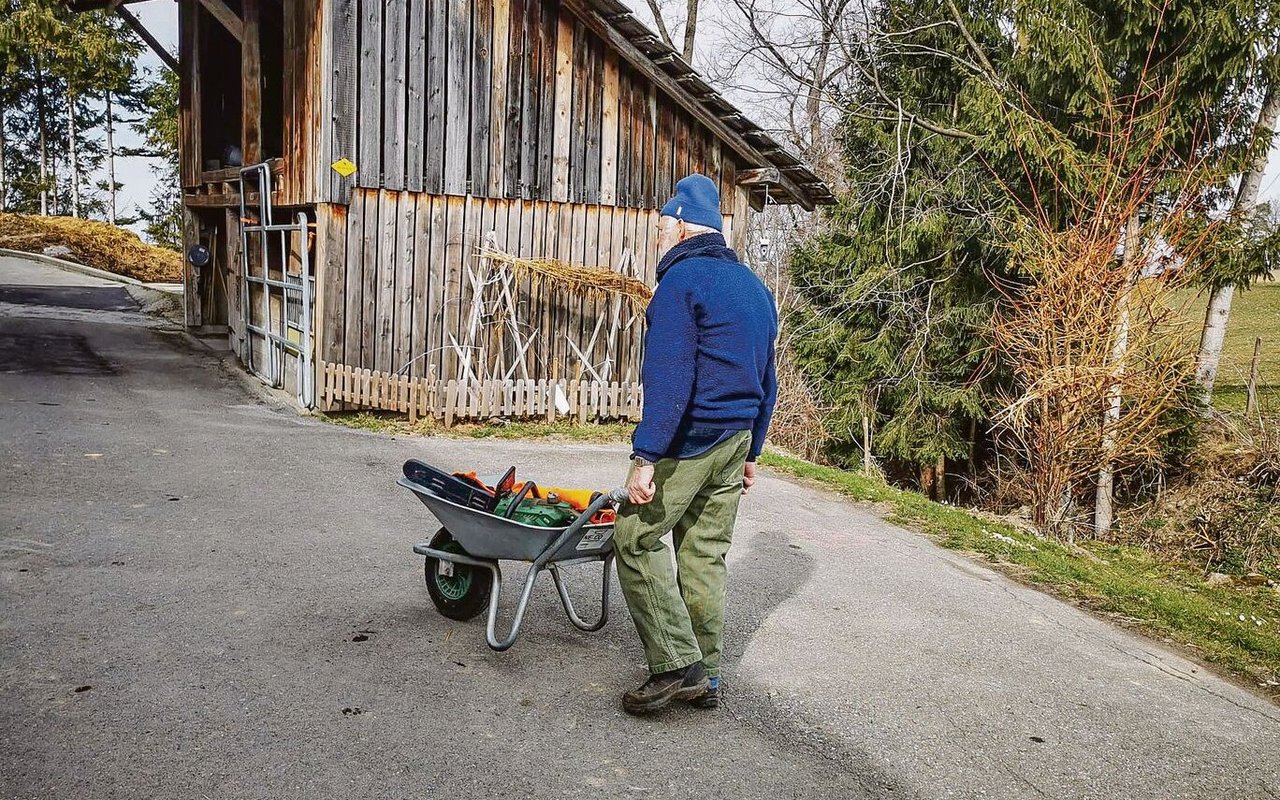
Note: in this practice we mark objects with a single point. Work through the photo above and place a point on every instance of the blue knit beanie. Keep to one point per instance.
(697, 201)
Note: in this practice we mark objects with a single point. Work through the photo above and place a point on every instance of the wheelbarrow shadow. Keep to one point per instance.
(767, 573)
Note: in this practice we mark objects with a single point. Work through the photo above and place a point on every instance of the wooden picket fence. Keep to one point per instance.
(343, 386)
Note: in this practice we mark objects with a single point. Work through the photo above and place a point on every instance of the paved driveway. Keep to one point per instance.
(203, 596)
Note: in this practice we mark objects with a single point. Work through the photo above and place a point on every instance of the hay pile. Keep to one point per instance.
(590, 282)
(92, 243)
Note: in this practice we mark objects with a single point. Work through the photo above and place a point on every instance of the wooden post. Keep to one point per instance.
(1251, 404)
(189, 155)
(191, 274)
(251, 86)
(866, 444)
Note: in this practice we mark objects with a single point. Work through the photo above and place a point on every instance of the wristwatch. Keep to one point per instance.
(641, 461)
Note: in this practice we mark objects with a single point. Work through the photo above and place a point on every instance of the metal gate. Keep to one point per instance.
(277, 292)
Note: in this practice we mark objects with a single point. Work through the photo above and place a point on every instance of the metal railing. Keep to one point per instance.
(286, 329)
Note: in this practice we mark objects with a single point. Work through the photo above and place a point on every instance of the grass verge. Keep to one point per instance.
(396, 425)
(1234, 628)
(1255, 312)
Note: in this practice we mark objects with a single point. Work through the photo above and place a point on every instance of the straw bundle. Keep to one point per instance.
(595, 283)
(93, 243)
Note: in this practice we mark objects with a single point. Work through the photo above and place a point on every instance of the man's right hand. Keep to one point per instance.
(748, 476)
(640, 486)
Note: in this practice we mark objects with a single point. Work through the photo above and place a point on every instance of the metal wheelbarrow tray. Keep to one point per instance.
(462, 571)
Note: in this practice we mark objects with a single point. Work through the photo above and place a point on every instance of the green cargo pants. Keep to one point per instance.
(680, 620)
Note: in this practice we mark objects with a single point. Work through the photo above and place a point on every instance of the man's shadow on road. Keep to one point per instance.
(768, 574)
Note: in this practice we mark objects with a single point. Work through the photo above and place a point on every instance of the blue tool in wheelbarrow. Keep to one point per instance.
(462, 571)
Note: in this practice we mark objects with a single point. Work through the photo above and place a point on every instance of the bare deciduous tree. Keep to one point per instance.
(794, 60)
(690, 24)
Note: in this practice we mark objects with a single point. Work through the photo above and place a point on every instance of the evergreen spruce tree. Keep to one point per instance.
(58, 68)
(897, 292)
(159, 129)
(967, 114)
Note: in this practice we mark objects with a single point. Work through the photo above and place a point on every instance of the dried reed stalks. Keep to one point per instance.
(594, 283)
(797, 417)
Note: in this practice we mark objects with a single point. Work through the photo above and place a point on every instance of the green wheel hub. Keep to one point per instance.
(455, 587)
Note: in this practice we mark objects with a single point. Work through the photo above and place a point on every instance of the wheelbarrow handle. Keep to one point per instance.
(619, 495)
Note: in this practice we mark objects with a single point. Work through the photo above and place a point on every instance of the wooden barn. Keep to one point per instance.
(427, 186)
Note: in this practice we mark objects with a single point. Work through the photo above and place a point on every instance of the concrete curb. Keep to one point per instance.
(71, 266)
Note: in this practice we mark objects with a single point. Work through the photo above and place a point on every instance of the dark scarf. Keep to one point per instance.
(704, 245)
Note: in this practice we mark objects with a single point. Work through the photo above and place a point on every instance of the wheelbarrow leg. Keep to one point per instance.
(491, 630)
(589, 627)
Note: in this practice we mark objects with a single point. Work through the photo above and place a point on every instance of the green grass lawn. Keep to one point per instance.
(1254, 313)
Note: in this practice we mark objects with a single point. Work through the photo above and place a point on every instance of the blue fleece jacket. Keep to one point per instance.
(709, 349)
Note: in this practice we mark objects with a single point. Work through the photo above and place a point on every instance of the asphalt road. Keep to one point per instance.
(203, 595)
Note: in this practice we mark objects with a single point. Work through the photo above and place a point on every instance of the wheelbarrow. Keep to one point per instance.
(462, 573)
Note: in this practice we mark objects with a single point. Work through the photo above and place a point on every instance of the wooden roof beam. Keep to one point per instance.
(671, 86)
(152, 42)
(759, 176)
(226, 16)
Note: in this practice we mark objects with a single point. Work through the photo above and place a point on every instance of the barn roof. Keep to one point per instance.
(779, 173)
(773, 170)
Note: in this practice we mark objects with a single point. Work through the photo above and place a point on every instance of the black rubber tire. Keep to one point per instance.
(463, 596)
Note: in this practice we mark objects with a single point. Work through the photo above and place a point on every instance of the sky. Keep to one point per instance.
(161, 19)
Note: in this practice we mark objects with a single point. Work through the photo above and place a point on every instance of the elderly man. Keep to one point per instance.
(709, 393)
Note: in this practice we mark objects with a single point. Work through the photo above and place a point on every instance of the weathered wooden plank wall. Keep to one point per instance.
(401, 270)
(509, 118)
(302, 96)
(502, 99)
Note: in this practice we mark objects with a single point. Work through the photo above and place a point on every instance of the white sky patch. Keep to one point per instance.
(161, 19)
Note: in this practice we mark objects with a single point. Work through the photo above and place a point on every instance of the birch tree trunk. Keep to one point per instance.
(1103, 510)
(111, 164)
(75, 160)
(1218, 314)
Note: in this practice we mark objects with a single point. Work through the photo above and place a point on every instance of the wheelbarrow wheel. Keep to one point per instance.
(462, 595)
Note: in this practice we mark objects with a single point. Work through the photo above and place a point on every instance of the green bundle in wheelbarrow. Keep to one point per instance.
(549, 512)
